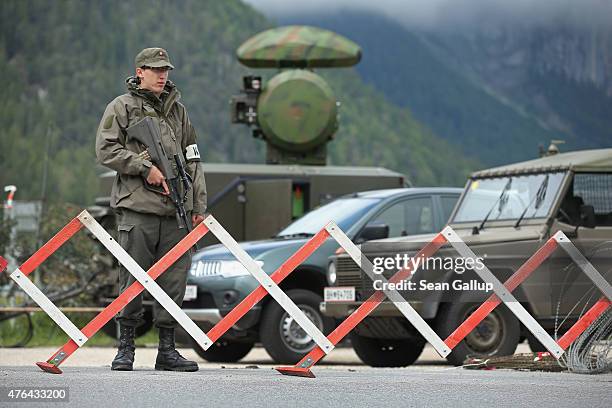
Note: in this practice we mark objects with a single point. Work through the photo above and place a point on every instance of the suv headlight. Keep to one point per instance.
(331, 273)
(227, 269)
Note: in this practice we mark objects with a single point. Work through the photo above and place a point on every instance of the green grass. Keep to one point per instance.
(47, 334)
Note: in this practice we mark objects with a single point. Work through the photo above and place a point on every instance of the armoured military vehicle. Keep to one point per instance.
(296, 114)
(504, 215)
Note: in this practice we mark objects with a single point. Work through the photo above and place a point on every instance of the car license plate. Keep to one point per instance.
(191, 292)
(339, 294)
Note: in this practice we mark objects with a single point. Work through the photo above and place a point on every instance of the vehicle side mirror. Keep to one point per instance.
(587, 216)
(373, 231)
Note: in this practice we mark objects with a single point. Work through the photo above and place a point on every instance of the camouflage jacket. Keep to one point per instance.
(116, 151)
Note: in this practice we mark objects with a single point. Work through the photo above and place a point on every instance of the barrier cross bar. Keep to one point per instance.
(398, 300)
(20, 276)
(268, 284)
(260, 292)
(52, 364)
(501, 294)
(519, 276)
(302, 368)
(145, 280)
(504, 294)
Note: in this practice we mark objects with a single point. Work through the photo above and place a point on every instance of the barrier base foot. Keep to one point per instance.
(48, 367)
(296, 371)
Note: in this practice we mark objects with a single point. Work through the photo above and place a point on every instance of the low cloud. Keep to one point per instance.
(453, 14)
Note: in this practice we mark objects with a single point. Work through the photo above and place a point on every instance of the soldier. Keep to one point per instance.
(147, 225)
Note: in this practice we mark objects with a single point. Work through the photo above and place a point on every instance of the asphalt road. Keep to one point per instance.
(340, 382)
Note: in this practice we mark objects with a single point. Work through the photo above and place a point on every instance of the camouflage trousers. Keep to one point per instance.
(148, 237)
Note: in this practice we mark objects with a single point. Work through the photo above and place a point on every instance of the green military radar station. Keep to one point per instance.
(296, 112)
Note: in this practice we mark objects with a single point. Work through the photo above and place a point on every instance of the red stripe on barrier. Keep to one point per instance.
(585, 321)
(160, 267)
(367, 307)
(356, 317)
(51, 246)
(493, 301)
(260, 292)
(3, 264)
(124, 298)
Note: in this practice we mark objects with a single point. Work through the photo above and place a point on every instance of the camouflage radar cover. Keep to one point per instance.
(298, 47)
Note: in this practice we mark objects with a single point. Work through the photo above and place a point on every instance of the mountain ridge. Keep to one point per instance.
(455, 85)
(64, 61)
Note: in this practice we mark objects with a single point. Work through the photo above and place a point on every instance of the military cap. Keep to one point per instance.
(154, 58)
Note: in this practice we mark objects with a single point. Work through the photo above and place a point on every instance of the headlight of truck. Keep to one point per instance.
(331, 273)
(227, 269)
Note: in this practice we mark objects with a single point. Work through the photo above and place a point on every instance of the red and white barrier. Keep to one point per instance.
(53, 363)
(268, 284)
(502, 294)
(79, 337)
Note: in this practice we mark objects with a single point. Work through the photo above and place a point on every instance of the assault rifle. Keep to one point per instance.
(146, 132)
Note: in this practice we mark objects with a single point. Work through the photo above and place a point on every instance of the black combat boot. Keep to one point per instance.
(124, 360)
(167, 357)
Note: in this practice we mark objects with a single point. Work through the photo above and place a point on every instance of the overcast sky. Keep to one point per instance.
(436, 14)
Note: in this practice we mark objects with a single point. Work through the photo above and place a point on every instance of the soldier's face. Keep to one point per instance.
(153, 79)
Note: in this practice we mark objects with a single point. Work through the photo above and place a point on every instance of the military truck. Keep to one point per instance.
(296, 114)
(504, 215)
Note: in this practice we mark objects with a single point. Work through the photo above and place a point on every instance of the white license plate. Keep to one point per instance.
(191, 292)
(339, 294)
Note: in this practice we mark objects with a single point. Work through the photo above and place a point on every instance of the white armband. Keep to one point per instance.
(192, 153)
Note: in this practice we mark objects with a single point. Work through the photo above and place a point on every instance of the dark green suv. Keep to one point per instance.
(217, 282)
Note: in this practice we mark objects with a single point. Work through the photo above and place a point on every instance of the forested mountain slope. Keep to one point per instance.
(63, 61)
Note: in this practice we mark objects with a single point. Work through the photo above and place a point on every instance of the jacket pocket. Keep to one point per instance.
(123, 231)
(127, 185)
(124, 227)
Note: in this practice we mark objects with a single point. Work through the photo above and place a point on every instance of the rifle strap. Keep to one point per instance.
(148, 110)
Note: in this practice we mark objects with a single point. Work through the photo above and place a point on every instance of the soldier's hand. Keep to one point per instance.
(196, 219)
(156, 178)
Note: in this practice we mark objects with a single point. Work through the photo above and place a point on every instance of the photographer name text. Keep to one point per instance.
(460, 285)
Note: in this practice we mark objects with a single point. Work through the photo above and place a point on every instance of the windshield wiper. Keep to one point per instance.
(538, 199)
(502, 200)
(296, 235)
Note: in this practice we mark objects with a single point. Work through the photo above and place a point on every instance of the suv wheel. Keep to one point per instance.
(224, 351)
(387, 352)
(497, 335)
(284, 340)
